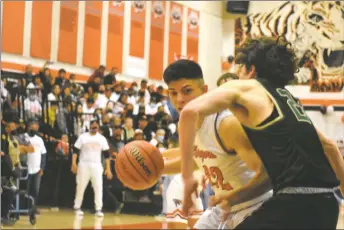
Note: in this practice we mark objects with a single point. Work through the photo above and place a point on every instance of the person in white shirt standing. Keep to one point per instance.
(89, 146)
(35, 161)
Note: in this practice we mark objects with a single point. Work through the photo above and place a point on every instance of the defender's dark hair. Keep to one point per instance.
(273, 59)
(182, 68)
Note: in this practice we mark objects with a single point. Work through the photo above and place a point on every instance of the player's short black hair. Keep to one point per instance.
(182, 68)
(273, 59)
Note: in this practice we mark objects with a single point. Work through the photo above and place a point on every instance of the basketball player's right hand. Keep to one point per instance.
(190, 188)
(74, 168)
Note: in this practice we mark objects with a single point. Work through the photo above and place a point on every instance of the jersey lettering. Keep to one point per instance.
(297, 109)
(215, 178)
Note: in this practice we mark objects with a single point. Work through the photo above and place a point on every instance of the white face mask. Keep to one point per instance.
(160, 138)
(162, 149)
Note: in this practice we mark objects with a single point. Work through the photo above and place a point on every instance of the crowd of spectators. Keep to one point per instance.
(64, 107)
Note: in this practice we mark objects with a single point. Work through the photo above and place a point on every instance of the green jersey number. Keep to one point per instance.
(297, 109)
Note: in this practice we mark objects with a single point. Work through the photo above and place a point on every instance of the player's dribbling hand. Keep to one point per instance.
(74, 168)
(190, 187)
(222, 203)
(108, 174)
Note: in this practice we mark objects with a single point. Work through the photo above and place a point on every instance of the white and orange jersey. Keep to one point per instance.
(224, 169)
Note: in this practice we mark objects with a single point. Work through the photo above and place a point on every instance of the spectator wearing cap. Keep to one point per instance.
(143, 125)
(61, 79)
(36, 87)
(138, 136)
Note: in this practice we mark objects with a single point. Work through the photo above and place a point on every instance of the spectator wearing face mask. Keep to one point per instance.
(32, 107)
(159, 137)
(37, 87)
(36, 161)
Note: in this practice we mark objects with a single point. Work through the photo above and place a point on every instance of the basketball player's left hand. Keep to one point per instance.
(222, 203)
(190, 188)
(108, 174)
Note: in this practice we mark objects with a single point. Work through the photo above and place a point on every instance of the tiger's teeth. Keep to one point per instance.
(328, 52)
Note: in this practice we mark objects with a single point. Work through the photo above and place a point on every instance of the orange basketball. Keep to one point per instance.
(139, 165)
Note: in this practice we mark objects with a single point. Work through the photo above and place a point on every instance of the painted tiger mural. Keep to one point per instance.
(314, 28)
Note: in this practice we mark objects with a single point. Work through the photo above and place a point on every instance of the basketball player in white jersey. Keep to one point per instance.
(221, 149)
(89, 146)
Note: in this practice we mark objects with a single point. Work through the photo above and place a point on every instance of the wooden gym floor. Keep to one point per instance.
(65, 219)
